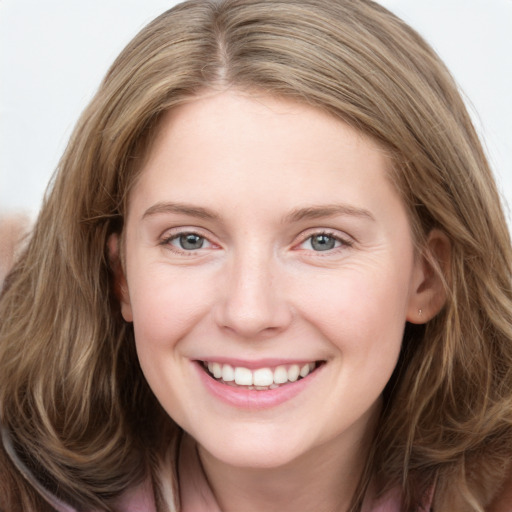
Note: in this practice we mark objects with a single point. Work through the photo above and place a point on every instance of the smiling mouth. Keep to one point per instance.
(260, 379)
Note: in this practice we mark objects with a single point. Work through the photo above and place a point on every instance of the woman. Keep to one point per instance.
(272, 272)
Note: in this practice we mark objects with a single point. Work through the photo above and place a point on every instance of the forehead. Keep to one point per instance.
(238, 148)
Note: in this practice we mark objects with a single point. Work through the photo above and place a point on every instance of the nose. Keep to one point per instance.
(253, 301)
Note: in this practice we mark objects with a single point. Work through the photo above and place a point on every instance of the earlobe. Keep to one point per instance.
(430, 274)
(120, 284)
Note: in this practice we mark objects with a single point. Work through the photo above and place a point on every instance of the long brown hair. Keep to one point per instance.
(72, 396)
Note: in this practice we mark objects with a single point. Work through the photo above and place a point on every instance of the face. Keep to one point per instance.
(269, 272)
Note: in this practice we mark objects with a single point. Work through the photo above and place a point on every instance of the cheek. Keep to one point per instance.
(362, 313)
(166, 308)
(167, 305)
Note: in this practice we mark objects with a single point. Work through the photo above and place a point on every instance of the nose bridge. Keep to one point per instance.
(253, 299)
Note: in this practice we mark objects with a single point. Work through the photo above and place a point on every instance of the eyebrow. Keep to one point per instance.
(296, 215)
(183, 208)
(322, 211)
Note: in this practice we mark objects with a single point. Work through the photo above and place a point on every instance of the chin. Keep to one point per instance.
(256, 451)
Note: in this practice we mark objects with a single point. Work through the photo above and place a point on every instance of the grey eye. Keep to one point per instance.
(323, 242)
(191, 241)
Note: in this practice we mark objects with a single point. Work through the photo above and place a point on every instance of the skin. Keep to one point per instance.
(250, 170)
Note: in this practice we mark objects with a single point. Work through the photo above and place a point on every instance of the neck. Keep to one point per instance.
(322, 479)
(306, 486)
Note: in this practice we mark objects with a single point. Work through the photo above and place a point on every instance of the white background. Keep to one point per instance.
(54, 53)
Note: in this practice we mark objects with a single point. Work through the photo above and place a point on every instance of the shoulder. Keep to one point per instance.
(140, 498)
(389, 502)
(16, 495)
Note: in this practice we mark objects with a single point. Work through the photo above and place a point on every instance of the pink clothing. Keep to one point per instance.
(142, 500)
(390, 502)
(138, 499)
(195, 493)
(197, 496)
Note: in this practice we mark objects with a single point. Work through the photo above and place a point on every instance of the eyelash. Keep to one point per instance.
(167, 242)
(343, 242)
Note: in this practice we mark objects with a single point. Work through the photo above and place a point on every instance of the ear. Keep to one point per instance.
(120, 284)
(431, 270)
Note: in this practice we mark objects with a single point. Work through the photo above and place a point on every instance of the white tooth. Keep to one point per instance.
(293, 372)
(217, 370)
(243, 376)
(311, 366)
(228, 374)
(304, 371)
(263, 377)
(280, 375)
(210, 367)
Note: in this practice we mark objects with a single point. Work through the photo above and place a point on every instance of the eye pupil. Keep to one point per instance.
(322, 242)
(191, 241)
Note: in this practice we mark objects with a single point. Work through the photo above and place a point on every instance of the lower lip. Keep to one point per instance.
(252, 399)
